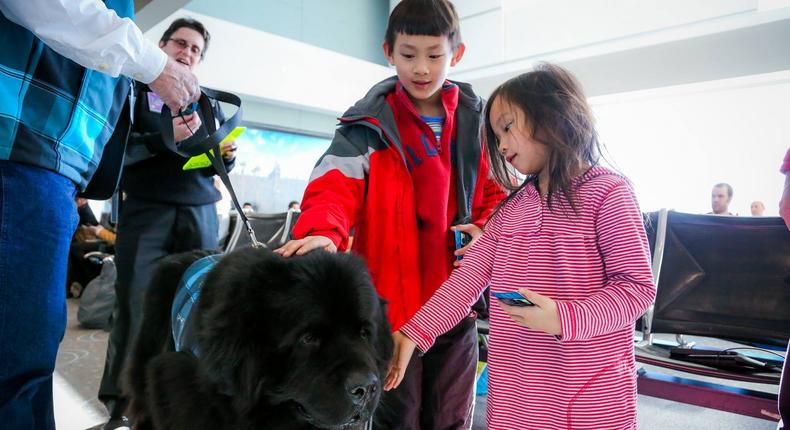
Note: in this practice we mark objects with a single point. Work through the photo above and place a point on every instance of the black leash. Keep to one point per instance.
(209, 143)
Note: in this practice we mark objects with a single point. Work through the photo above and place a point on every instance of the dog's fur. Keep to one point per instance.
(296, 343)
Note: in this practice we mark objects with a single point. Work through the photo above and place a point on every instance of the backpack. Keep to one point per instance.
(98, 299)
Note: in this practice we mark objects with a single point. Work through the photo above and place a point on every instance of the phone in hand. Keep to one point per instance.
(189, 109)
(461, 239)
(512, 298)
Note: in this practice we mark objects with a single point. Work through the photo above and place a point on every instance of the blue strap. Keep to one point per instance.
(187, 295)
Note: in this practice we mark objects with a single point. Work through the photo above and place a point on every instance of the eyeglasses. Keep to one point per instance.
(183, 44)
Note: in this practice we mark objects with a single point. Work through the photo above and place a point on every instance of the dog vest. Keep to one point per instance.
(187, 295)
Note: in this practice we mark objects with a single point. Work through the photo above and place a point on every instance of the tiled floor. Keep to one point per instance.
(81, 360)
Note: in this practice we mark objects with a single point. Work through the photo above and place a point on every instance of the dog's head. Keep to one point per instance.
(307, 334)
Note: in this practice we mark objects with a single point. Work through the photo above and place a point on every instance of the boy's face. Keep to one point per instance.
(422, 63)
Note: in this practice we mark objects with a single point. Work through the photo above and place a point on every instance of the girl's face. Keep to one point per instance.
(516, 143)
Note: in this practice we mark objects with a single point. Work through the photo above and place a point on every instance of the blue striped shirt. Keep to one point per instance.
(436, 123)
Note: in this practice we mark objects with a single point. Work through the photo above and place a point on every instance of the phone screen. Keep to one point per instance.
(512, 298)
(461, 240)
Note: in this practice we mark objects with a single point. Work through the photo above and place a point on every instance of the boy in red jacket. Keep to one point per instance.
(404, 170)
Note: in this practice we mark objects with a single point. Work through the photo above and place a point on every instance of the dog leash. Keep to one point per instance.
(209, 144)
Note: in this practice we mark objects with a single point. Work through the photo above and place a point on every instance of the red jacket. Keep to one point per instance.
(362, 183)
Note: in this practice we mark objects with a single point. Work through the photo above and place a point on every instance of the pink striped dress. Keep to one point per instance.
(596, 266)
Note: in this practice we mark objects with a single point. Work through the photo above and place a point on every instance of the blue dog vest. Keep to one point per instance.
(186, 296)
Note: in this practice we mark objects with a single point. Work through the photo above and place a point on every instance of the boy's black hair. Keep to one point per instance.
(424, 18)
(188, 23)
(556, 112)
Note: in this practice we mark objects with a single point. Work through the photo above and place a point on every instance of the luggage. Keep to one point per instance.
(98, 299)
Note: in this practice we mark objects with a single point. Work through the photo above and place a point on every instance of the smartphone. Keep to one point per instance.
(512, 298)
(461, 239)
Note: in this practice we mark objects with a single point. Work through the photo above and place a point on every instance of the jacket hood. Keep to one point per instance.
(376, 99)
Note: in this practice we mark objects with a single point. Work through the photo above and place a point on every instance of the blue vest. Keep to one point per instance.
(187, 295)
(54, 113)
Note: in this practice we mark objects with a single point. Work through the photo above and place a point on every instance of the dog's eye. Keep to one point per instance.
(364, 333)
(308, 339)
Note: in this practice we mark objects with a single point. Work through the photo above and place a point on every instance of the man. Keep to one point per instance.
(720, 199)
(56, 116)
(784, 384)
(757, 208)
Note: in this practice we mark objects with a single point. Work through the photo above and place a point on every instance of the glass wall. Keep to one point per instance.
(273, 167)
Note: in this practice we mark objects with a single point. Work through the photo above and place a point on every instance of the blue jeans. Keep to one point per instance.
(37, 220)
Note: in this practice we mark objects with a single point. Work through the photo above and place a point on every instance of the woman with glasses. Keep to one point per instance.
(166, 209)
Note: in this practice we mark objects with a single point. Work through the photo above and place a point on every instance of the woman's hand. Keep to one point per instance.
(404, 348)
(184, 128)
(228, 150)
(471, 230)
(543, 316)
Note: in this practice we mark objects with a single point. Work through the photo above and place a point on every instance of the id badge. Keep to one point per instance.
(155, 103)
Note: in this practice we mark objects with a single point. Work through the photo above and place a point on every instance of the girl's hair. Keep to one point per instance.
(555, 108)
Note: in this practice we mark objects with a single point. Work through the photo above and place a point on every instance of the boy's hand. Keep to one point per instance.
(543, 316)
(404, 348)
(184, 128)
(471, 230)
(303, 246)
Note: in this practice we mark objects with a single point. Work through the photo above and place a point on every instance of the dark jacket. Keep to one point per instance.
(160, 177)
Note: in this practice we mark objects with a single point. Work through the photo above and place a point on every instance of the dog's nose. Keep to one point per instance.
(360, 384)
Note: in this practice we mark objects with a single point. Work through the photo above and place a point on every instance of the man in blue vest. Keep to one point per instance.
(61, 94)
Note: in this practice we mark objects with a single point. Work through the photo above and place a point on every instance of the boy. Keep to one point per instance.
(404, 166)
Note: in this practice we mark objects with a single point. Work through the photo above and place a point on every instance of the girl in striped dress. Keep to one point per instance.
(570, 239)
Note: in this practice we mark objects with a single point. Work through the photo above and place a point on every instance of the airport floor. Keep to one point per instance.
(81, 360)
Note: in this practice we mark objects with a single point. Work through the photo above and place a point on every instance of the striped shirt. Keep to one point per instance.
(436, 123)
(595, 265)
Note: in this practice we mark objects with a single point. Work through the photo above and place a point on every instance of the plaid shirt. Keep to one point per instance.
(54, 113)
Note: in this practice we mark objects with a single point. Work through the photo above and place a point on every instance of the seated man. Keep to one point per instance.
(90, 236)
(758, 208)
(720, 199)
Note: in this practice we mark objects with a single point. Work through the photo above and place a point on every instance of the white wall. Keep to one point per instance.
(676, 143)
(272, 68)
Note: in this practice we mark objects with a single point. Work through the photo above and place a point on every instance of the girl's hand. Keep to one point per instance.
(543, 316)
(471, 230)
(404, 348)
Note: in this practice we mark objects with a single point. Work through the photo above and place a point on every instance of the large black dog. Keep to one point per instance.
(296, 343)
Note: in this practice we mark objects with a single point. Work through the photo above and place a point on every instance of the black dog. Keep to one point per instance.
(297, 343)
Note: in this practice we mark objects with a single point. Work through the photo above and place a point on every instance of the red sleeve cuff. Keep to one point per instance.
(567, 321)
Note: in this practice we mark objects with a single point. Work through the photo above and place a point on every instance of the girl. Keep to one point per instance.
(570, 239)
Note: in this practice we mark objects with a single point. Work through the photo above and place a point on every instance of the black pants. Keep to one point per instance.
(147, 231)
(437, 392)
